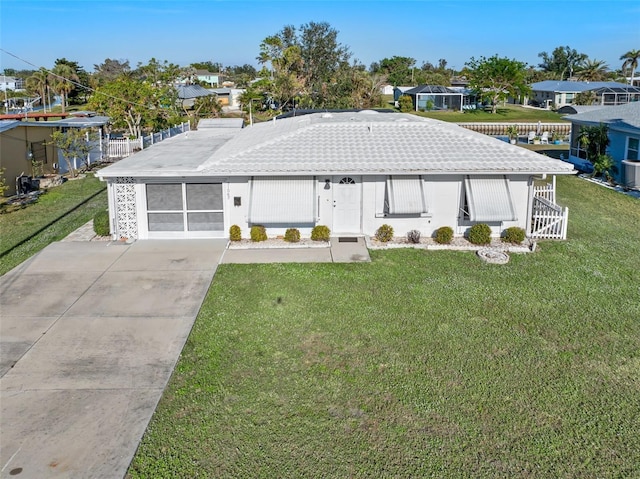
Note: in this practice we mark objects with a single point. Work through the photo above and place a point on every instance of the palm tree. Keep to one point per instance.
(631, 59)
(63, 76)
(593, 70)
(38, 83)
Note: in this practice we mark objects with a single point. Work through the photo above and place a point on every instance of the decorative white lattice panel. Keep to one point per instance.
(126, 217)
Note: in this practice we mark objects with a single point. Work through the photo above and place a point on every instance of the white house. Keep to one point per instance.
(9, 83)
(349, 171)
(552, 93)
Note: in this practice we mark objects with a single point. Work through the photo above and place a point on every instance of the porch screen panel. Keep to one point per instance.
(164, 197)
(489, 199)
(406, 195)
(166, 221)
(282, 200)
(205, 221)
(204, 196)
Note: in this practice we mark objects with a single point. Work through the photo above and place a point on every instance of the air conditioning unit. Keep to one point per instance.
(631, 173)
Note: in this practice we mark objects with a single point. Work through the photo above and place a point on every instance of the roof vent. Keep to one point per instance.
(326, 115)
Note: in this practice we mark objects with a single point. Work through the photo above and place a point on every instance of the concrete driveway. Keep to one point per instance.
(89, 336)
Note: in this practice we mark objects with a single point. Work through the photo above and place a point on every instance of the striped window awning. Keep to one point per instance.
(282, 200)
(405, 195)
(489, 199)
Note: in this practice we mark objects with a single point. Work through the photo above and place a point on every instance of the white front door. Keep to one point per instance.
(346, 204)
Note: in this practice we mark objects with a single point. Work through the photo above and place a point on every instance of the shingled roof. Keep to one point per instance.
(338, 143)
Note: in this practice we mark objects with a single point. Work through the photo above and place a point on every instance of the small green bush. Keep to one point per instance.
(413, 236)
(479, 233)
(513, 235)
(444, 235)
(320, 233)
(292, 235)
(235, 233)
(258, 233)
(384, 233)
(101, 225)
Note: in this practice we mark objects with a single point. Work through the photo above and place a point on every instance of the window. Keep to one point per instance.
(404, 195)
(347, 181)
(185, 207)
(488, 199)
(632, 149)
(283, 200)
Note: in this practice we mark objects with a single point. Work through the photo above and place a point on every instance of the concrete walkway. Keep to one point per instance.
(90, 334)
(89, 337)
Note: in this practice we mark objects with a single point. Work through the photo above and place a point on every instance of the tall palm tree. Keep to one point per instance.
(38, 83)
(63, 75)
(631, 59)
(593, 70)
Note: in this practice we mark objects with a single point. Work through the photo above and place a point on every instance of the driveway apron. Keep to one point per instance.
(89, 335)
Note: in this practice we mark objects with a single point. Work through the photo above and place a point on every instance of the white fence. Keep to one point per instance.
(563, 129)
(548, 220)
(121, 148)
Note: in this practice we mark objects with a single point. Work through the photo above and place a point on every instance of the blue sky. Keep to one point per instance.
(230, 31)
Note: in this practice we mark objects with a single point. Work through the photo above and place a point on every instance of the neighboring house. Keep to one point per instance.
(213, 79)
(349, 171)
(623, 124)
(386, 89)
(556, 94)
(187, 94)
(435, 97)
(229, 97)
(24, 142)
(399, 91)
(9, 83)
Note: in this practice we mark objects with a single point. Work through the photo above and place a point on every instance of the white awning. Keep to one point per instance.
(489, 199)
(405, 195)
(282, 200)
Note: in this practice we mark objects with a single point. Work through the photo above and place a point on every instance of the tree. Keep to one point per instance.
(80, 78)
(241, 75)
(587, 97)
(204, 107)
(208, 66)
(130, 103)
(593, 70)
(631, 59)
(494, 79)
(39, 83)
(61, 82)
(109, 70)
(398, 70)
(405, 103)
(75, 143)
(305, 63)
(561, 62)
(594, 140)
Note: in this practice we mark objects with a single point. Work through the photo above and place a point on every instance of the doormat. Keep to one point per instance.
(347, 239)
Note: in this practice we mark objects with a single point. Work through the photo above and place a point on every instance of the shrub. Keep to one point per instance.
(292, 235)
(413, 236)
(405, 104)
(258, 233)
(101, 225)
(513, 235)
(320, 233)
(384, 233)
(480, 233)
(444, 235)
(235, 233)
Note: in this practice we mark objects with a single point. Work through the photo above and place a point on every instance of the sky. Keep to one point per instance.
(230, 31)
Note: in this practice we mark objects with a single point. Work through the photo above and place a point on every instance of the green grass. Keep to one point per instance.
(419, 364)
(27, 230)
(506, 113)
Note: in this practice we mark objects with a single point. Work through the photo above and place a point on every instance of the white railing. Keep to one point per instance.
(122, 148)
(546, 191)
(562, 129)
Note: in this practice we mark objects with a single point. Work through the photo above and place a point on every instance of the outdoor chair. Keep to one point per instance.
(532, 135)
(545, 138)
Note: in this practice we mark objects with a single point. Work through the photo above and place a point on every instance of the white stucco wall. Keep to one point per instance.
(443, 193)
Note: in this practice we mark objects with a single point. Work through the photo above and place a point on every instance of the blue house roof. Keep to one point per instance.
(622, 116)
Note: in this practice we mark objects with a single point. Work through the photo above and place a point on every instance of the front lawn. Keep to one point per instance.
(419, 364)
(58, 212)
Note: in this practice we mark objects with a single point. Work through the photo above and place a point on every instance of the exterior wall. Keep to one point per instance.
(14, 148)
(618, 141)
(444, 195)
